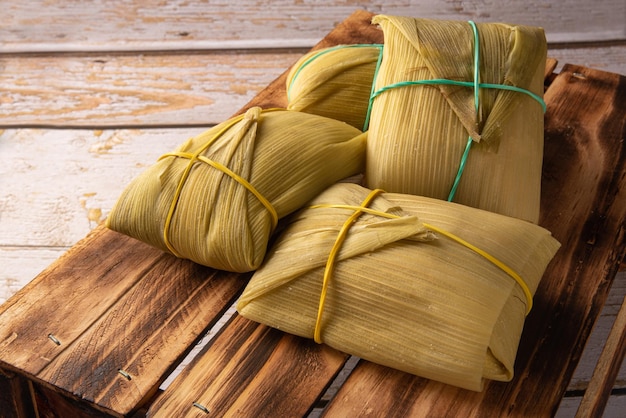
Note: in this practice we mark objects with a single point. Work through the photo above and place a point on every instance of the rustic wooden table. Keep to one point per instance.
(92, 94)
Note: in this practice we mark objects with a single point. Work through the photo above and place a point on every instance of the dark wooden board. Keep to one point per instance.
(111, 303)
(15, 398)
(254, 371)
(68, 297)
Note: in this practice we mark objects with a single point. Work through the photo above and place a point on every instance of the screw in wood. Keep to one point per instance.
(54, 339)
(201, 407)
(125, 374)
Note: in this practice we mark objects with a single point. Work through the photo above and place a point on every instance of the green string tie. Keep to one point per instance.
(475, 84)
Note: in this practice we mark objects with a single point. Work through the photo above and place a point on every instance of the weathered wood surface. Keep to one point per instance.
(186, 71)
(87, 207)
(599, 390)
(72, 181)
(133, 90)
(166, 89)
(39, 25)
(111, 303)
(252, 370)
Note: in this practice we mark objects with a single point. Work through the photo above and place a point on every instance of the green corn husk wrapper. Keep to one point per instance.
(396, 296)
(334, 82)
(418, 134)
(287, 156)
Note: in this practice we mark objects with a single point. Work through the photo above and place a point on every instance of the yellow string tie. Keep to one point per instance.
(196, 157)
(330, 263)
(493, 260)
(358, 210)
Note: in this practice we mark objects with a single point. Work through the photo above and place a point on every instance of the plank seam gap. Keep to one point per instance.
(557, 41)
(70, 126)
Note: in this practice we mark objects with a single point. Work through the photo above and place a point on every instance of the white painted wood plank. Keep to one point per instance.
(40, 25)
(125, 90)
(610, 58)
(55, 185)
(168, 89)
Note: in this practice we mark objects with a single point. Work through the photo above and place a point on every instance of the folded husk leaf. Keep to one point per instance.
(287, 156)
(334, 82)
(396, 297)
(417, 134)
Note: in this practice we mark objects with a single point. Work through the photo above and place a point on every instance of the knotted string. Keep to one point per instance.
(363, 208)
(196, 157)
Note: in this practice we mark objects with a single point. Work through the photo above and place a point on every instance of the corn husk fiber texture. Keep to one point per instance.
(288, 157)
(334, 82)
(397, 297)
(417, 134)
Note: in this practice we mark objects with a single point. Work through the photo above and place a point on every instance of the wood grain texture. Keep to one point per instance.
(63, 290)
(603, 379)
(133, 90)
(251, 370)
(590, 175)
(166, 90)
(40, 25)
(147, 331)
(17, 404)
(121, 306)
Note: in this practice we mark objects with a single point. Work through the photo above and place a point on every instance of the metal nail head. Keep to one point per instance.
(54, 339)
(201, 407)
(125, 374)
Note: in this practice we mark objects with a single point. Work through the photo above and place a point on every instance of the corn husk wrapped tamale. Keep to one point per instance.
(276, 161)
(335, 82)
(396, 296)
(418, 133)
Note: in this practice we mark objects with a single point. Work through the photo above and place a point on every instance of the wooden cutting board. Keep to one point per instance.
(101, 328)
